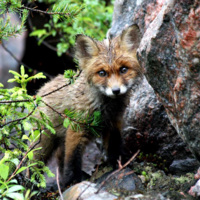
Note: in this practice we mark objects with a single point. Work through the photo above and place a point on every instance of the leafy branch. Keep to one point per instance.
(60, 11)
(70, 78)
(63, 11)
(19, 119)
(71, 117)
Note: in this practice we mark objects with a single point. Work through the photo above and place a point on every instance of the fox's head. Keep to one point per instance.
(111, 65)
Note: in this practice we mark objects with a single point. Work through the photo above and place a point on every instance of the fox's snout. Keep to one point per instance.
(114, 91)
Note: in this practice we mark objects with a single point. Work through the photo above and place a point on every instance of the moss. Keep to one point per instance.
(183, 179)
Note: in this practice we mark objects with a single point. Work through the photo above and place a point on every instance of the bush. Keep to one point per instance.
(20, 131)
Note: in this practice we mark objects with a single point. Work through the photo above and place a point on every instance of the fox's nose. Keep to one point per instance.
(116, 90)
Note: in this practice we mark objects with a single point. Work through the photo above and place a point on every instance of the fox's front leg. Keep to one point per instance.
(114, 144)
(74, 146)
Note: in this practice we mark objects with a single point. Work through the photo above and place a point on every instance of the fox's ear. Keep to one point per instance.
(86, 47)
(130, 38)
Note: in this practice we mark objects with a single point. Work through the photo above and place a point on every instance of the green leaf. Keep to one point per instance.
(66, 122)
(27, 125)
(25, 137)
(14, 189)
(35, 135)
(15, 161)
(14, 181)
(14, 73)
(1, 85)
(24, 168)
(4, 170)
(39, 33)
(15, 196)
(22, 70)
(30, 155)
(144, 173)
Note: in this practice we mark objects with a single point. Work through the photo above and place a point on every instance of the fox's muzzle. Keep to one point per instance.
(116, 90)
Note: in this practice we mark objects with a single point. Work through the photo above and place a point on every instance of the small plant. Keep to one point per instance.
(20, 132)
(18, 136)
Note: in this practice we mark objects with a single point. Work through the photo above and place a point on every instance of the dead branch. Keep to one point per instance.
(57, 180)
(1, 126)
(19, 165)
(83, 191)
(76, 76)
(45, 12)
(120, 168)
(16, 101)
(63, 115)
(20, 62)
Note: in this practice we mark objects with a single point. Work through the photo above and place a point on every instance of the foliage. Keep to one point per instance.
(20, 130)
(83, 120)
(91, 122)
(70, 75)
(17, 128)
(94, 21)
(6, 28)
(60, 11)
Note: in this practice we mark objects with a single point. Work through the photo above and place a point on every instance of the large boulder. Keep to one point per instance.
(169, 55)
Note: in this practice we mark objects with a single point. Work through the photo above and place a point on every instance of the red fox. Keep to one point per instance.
(110, 70)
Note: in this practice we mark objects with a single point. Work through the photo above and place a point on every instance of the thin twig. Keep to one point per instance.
(63, 115)
(16, 101)
(76, 76)
(112, 174)
(83, 191)
(61, 35)
(19, 118)
(34, 145)
(57, 179)
(20, 62)
(19, 165)
(47, 13)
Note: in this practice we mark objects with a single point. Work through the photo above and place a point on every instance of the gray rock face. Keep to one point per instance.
(148, 128)
(86, 191)
(169, 54)
(125, 181)
(179, 167)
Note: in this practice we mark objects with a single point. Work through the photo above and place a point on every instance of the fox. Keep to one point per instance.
(110, 71)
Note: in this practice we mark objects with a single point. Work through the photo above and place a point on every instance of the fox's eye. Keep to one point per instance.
(123, 70)
(102, 73)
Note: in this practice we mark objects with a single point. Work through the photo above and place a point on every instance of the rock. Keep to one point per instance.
(166, 53)
(169, 55)
(180, 167)
(195, 190)
(86, 191)
(92, 156)
(148, 128)
(146, 197)
(173, 195)
(122, 183)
